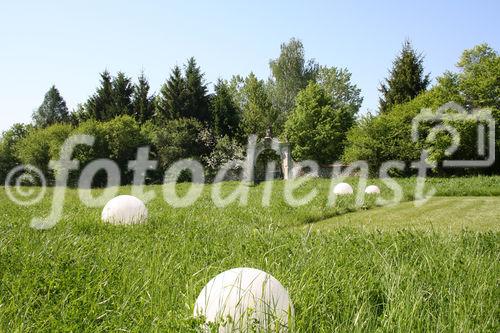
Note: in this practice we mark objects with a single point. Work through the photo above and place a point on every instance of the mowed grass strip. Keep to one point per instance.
(444, 214)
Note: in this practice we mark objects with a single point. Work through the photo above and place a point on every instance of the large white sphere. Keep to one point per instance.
(372, 189)
(125, 209)
(242, 299)
(343, 188)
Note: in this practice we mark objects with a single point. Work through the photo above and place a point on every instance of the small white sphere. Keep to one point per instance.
(342, 189)
(372, 189)
(125, 209)
(242, 299)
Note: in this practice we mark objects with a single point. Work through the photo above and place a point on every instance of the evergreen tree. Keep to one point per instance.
(113, 98)
(141, 101)
(122, 96)
(171, 102)
(406, 79)
(79, 114)
(224, 111)
(53, 109)
(98, 106)
(197, 100)
(257, 115)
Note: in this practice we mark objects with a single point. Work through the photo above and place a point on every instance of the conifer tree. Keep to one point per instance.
(122, 96)
(52, 110)
(98, 106)
(197, 100)
(406, 79)
(142, 103)
(224, 111)
(171, 102)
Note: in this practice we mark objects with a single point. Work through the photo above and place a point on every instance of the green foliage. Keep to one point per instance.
(383, 138)
(337, 84)
(479, 85)
(99, 105)
(317, 127)
(480, 77)
(224, 110)
(178, 139)
(406, 79)
(184, 96)
(41, 145)
(317, 124)
(117, 96)
(388, 136)
(226, 149)
(113, 98)
(290, 74)
(197, 101)
(122, 94)
(142, 102)
(117, 139)
(257, 113)
(8, 143)
(124, 137)
(53, 109)
(79, 115)
(171, 102)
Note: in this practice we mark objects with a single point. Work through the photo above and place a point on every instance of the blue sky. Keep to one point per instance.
(68, 44)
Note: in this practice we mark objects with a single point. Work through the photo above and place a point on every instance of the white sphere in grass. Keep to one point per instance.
(245, 300)
(125, 209)
(343, 189)
(372, 189)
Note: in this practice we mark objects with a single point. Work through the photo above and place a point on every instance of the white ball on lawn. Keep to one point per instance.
(372, 189)
(243, 300)
(125, 209)
(343, 188)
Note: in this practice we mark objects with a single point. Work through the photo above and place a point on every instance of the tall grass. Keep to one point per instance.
(85, 276)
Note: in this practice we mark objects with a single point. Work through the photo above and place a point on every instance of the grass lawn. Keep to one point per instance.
(444, 214)
(401, 272)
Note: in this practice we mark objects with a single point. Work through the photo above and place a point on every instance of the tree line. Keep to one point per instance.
(314, 107)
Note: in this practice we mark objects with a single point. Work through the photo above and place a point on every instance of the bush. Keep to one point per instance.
(388, 136)
(42, 145)
(100, 149)
(124, 136)
(8, 142)
(225, 150)
(117, 139)
(179, 139)
(377, 139)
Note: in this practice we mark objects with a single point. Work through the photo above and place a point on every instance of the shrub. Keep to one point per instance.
(388, 136)
(42, 145)
(178, 139)
(124, 136)
(117, 139)
(8, 142)
(225, 150)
